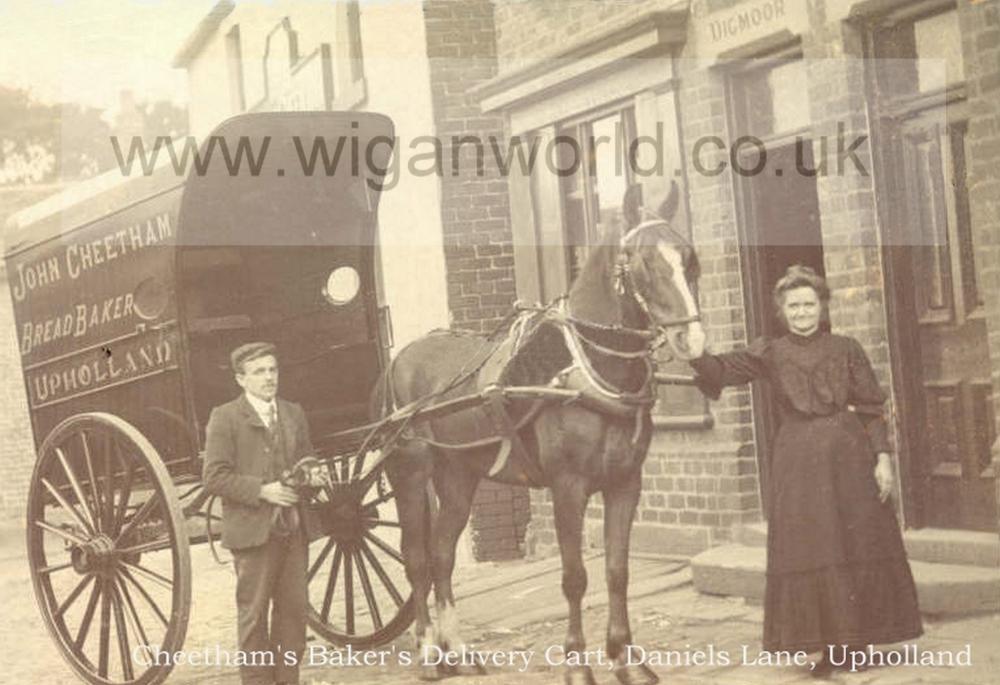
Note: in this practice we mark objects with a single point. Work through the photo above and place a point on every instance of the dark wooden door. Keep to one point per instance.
(782, 228)
(951, 454)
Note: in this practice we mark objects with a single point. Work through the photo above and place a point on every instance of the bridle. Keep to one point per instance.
(625, 287)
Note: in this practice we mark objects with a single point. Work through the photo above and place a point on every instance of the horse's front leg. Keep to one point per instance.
(569, 502)
(409, 472)
(619, 508)
(455, 486)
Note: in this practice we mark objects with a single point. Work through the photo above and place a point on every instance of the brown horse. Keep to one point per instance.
(631, 290)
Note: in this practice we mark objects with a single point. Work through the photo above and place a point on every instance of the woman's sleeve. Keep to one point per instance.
(713, 372)
(867, 397)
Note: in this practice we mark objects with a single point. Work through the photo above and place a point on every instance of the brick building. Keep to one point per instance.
(445, 243)
(17, 454)
(907, 236)
(906, 229)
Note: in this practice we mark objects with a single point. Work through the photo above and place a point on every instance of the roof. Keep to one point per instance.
(202, 33)
(91, 200)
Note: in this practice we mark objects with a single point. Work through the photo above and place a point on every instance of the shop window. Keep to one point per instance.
(776, 99)
(595, 169)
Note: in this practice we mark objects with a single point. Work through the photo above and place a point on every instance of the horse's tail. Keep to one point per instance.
(383, 400)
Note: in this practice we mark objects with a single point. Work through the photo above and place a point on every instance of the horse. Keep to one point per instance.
(634, 288)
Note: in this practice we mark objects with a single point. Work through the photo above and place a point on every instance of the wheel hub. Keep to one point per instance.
(95, 555)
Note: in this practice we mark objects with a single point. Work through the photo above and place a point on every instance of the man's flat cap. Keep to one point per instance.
(245, 353)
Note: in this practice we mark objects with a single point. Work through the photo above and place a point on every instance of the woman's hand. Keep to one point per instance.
(883, 476)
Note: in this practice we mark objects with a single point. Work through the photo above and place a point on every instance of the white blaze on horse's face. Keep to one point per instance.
(687, 342)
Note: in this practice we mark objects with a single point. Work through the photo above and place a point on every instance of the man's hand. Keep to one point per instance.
(276, 493)
(883, 476)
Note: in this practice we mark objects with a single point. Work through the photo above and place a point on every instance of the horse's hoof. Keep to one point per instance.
(579, 675)
(469, 669)
(635, 674)
(430, 672)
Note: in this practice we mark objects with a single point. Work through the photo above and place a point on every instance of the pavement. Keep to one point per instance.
(516, 612)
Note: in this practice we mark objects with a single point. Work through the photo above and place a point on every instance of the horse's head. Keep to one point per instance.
(662, 268)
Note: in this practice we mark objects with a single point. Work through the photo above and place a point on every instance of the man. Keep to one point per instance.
(249, 442)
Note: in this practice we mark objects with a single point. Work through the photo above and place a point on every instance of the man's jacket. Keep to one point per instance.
(239, 458)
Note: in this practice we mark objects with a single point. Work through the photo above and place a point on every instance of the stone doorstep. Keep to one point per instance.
(942, 589)
(935, 545)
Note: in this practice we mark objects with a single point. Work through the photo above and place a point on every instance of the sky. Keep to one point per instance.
(88, 51)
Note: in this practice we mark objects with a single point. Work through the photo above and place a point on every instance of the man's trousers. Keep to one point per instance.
(272, 577)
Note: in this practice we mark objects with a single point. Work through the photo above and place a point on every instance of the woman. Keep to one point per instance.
(837, 573)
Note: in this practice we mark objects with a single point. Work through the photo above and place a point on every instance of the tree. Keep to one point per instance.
(40, 143)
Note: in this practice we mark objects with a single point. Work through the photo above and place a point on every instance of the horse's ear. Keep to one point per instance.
(632, 205)
(668, 207)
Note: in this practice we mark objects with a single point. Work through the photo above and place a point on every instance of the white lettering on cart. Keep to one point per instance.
(98, 368)
(85, 256)
(79, 258)
(76, 323)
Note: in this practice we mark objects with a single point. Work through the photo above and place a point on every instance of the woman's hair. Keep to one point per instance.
(799, 276)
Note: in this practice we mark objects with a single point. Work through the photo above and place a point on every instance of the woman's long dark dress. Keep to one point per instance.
(836, 567)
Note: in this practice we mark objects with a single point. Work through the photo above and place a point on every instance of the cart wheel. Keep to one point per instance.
(108, 551)
(355, 570)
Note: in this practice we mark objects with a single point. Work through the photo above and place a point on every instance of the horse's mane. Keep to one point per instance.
(592, 295)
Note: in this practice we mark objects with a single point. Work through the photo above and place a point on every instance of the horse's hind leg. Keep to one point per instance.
(569, 500)
(619, 507)
(455, 487)
(409, 471)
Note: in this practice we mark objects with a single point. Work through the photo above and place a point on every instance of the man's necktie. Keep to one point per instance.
(272, 422)
(286, 518)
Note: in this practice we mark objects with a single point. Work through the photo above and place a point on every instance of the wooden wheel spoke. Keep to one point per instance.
(103, 515)
(145, 595)
(155, 577)
(366, 587)
(382, 499)
(151, 546)
(77, 490)
(320, 559)
(52, 568)
(95, 492)
(121, 631)
(133, 616)
(108, 513)
(349, 593)
(88, 615)
(69, 508)
(64, 534)
(102, 658)
(359, 465)
(128, 467)
(382, 575)
(382, 522)
(71, 597)
(384, 546)
(141, 515)
(331, 583)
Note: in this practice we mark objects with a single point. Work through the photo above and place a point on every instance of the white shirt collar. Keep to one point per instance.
(262, 408)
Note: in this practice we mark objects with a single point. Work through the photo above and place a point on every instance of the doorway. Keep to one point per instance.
(938, 334)
(777, 203)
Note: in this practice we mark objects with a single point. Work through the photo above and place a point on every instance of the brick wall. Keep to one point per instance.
(980, 24)
(528, 30)
(478, 247)
(697, 484)
(17, 451)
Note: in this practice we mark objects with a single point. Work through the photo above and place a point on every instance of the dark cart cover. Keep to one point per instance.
(128, 300)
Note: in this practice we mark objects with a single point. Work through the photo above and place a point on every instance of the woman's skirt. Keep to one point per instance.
(836, 567)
